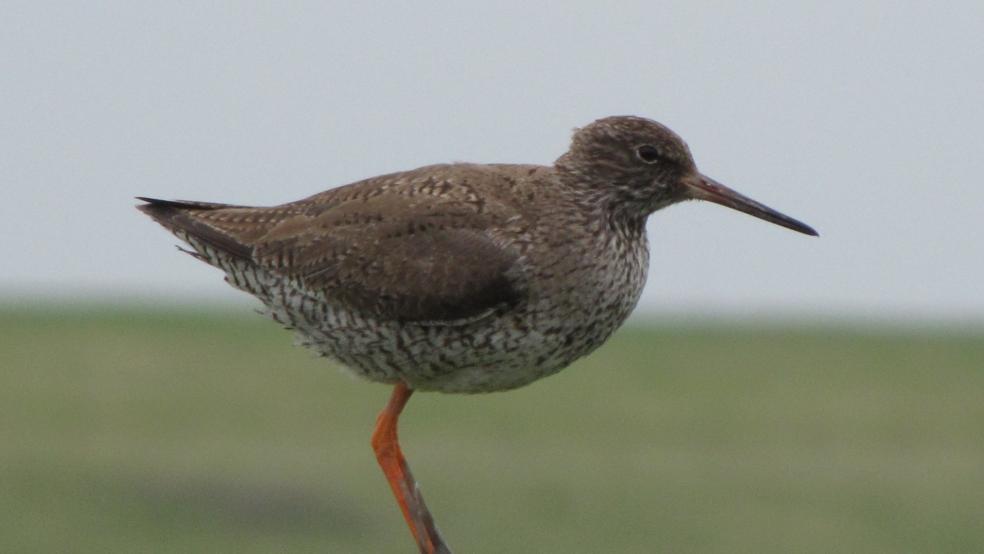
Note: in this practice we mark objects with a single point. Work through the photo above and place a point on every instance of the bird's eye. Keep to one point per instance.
(648, 153)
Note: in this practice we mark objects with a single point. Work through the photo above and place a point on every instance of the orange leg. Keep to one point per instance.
(387, 447)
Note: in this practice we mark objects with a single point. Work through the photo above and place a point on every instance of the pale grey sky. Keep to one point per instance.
(863, 119)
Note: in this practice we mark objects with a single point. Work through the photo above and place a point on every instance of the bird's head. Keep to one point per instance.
(638, 166)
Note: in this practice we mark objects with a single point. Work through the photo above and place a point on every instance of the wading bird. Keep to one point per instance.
(460, 277)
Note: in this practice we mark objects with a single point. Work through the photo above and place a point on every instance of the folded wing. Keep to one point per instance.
(428, 260)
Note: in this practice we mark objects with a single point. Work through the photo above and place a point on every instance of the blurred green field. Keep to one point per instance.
(127, 430)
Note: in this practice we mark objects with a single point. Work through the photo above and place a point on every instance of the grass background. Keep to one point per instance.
(149, 430)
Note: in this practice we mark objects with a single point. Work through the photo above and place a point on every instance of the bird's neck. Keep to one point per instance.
(616, 213)
(616, 196)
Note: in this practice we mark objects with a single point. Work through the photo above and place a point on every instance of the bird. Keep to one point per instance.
(459, 277)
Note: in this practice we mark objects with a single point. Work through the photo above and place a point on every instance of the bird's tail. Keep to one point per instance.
(190, 222)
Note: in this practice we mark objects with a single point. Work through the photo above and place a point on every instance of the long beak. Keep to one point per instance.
(702, 187)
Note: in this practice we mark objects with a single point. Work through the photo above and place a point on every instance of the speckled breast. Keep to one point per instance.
(578, 297)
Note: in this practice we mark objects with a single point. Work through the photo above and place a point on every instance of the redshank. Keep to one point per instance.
(459, 277)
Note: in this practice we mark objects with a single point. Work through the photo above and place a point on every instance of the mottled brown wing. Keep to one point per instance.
(426, 260)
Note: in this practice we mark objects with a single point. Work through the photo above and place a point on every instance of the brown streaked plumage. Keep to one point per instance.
(460, 277)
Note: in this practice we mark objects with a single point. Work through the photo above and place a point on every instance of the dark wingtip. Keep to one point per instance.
(180, 216)
(148, 206)
(161, 211)
(155, 205)
(185, 204)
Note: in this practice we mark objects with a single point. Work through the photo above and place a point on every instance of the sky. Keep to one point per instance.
(863, 119)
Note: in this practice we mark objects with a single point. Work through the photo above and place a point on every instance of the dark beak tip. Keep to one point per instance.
(702, 187)
(807, 230)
